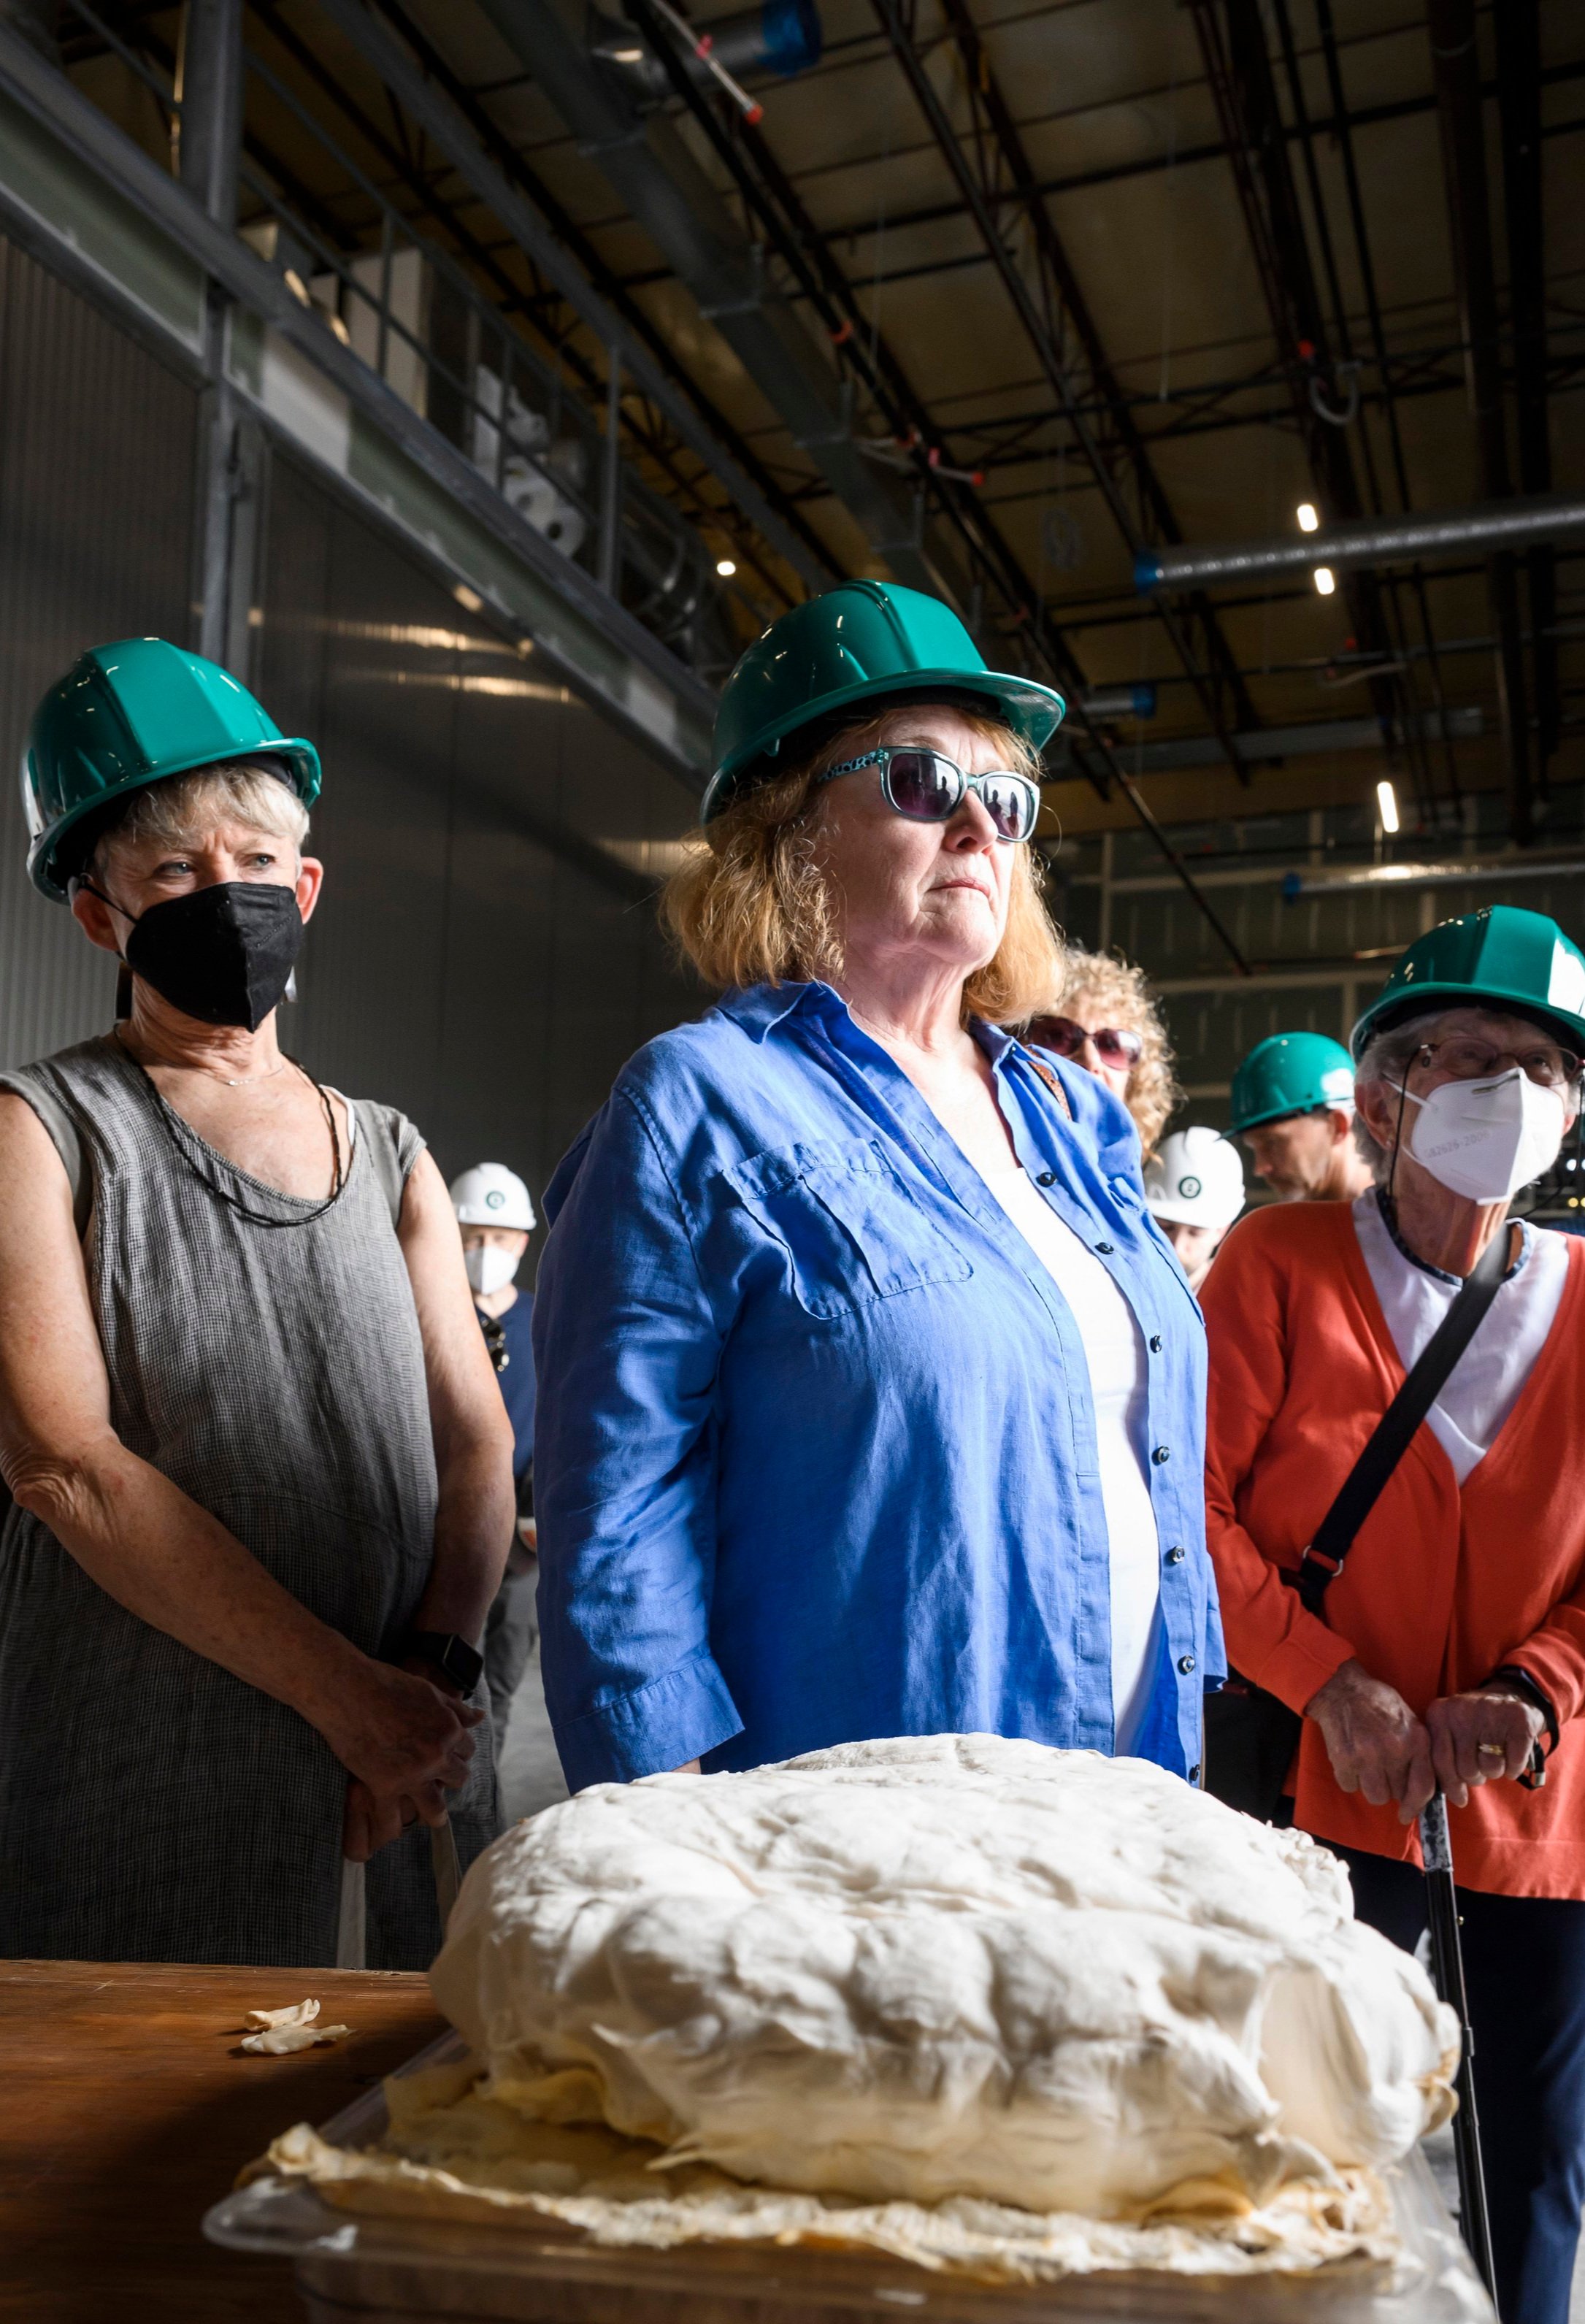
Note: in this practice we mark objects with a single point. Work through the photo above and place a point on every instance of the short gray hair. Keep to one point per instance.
(176, 811)
(1389, 1055)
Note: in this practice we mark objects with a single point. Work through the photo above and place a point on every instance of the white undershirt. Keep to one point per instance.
(1114, 1350)
(1486, 1382)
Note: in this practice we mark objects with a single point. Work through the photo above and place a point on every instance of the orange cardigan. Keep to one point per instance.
(1441, 1585)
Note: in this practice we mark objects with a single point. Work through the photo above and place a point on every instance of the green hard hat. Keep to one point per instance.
(856, 644)
(126, 715)
(1516, 960)
(1290, 1073)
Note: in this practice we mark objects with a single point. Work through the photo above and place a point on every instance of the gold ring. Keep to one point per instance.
(1496, 1751)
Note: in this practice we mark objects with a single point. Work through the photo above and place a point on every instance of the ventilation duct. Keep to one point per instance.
(784, 37)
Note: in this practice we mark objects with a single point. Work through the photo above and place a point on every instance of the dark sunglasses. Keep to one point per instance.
(1114, 1043)
(929, 788)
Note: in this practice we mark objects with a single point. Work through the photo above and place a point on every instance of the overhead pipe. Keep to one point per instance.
(1495, 525)
(784, 37)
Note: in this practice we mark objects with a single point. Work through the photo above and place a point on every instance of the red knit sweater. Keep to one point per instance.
(1442, 1584)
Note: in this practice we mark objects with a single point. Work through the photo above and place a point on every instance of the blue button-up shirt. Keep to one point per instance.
(816, 1456)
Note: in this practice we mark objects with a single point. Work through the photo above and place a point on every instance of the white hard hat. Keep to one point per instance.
(491, 1195)
(1196, 1178)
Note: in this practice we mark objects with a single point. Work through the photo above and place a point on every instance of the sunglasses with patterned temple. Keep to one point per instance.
(927, 787)
(1114, 1044)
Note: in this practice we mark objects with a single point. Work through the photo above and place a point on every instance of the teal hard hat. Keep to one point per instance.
(1516, 961)
(854, 645)
(1290, 1073)
(126, 715)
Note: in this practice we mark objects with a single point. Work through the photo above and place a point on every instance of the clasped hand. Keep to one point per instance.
(405, 1739)
(1379, 1747)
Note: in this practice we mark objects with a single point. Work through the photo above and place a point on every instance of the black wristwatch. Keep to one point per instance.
(452, 1656)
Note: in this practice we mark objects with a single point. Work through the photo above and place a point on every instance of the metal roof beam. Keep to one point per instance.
(1060, 289)
(1455, 61)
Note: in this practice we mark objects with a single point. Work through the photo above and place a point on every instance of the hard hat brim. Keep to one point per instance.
(52, 880)
(1033, 711)
(1392, 1010)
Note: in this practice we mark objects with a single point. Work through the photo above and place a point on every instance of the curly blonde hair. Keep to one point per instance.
(1116, 986)
(750, 904)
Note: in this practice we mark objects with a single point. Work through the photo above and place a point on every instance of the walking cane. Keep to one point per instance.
(1447, 1967)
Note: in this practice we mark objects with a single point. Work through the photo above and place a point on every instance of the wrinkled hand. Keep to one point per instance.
(405, 1741)
(1375, 1742)
(1461, 1724)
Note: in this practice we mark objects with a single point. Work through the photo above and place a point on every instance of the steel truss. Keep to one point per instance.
(986, 164)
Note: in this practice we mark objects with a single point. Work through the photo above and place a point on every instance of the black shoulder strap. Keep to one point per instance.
(1324, 1559)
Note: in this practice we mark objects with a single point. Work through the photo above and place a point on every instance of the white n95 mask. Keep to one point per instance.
(489, 1269)
(1485, 1139)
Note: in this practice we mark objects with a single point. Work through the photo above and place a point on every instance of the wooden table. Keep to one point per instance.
(126, 2108)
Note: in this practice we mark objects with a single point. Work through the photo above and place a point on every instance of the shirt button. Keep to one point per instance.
(1046, 1178)
(1194, 1773)
(1163, 1453)
(1175, 1555)
(1186, 1664)
(1104, 1249)
(1156, 1343)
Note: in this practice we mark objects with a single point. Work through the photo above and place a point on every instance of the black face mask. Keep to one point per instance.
(222, 954)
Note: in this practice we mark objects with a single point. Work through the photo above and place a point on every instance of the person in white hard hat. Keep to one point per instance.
(496, 1216)
(1195, 1186)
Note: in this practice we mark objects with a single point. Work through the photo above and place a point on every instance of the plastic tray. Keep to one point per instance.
(383, 2270)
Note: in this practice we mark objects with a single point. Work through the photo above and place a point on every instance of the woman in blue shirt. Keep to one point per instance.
(871, 1397)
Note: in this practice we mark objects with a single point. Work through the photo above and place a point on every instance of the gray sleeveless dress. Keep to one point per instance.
(152, 1807)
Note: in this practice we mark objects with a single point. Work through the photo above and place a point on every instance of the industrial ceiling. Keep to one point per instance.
(998, 298)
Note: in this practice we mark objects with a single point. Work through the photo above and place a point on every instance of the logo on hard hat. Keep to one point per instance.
(1338, 1082)
(1189, 1187)
(495, 1200)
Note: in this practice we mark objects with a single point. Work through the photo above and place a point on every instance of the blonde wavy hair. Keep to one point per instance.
(750, 904)
(1121, 989)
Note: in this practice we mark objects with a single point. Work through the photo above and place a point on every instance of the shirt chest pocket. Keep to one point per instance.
(850, 1228)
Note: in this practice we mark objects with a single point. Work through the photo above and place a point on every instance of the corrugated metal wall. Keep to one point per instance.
(96, 542)
(471, 964)
(462, 967)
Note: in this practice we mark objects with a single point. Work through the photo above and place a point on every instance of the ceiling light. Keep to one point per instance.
(297, 286)
(468, 599)
(1387, 800)
(626, 56)
(1325, 581)
(725, 567)
(1309, 522)
(340, 329)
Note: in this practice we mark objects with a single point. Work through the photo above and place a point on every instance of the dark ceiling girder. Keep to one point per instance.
(1388, 396)
(1362, 116)
(1154, 503)
(1232, 44)
(1517, 29)
(518, 175)
(664, 188)
(1456, 63)
(1060, 279)
(766, 192)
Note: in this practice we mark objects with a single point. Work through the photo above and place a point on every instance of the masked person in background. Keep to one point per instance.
(496, 1216)
(1293, 1105)
(1195, 1188)
(1451, 1643)
(261, 1476)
